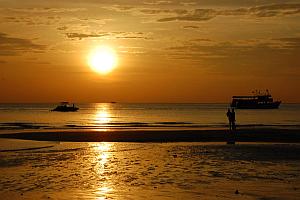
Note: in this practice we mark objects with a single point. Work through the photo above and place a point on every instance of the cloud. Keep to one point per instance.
(163, 11)
(264, 57)
(196, 15)
(119, 8)
(191, 27)
(132, 37)
(158, 2)
(289, 43)
(83, 35)
(275, 10)
(291, 40)
(39, 15)
(62, 28)
(32, 20)
(202, 40)
(117, 35)
(205, 48)
(272, 10)
(188, 3)
(11, 46)
(42, 10)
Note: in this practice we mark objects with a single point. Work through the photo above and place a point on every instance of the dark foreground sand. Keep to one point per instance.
(242, 135)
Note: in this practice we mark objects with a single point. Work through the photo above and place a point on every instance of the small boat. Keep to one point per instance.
(257, 101)
(65, 107)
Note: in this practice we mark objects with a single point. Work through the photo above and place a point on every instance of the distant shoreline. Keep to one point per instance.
(216, 135)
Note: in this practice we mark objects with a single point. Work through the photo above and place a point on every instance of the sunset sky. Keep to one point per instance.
(167, 50)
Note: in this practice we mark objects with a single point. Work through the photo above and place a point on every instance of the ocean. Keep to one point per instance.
(121, 116)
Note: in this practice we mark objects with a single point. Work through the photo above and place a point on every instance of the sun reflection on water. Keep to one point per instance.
(103, 116)
(102, 192)
(103, 154)
(102, 159)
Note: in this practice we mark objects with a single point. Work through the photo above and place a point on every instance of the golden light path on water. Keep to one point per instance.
(101, 150)
(101, 159)
(102, 116)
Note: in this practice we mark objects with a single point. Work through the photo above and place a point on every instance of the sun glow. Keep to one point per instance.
(102, 59)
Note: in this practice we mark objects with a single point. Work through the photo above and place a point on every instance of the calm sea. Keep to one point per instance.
(116, 116)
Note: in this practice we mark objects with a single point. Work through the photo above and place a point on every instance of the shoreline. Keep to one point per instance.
(215, 135)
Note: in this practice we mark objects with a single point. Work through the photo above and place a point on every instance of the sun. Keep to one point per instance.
(102, 59)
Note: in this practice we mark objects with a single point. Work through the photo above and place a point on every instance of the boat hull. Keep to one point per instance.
(273, 105)
(65, 109)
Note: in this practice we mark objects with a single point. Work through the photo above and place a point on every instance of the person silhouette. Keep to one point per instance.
(229, 116)
(233, 119)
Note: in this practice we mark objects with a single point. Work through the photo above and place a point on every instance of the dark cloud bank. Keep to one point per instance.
(10, 46)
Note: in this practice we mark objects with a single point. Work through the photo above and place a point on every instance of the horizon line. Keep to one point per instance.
(113, 102)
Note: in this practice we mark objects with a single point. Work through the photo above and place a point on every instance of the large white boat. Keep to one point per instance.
(256, 101)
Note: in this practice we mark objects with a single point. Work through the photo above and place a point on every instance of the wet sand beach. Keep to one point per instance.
(122, 170)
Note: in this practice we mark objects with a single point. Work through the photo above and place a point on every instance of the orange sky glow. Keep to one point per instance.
(167, 51)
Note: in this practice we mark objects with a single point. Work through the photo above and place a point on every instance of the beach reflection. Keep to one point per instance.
(103, 192)
(103, 116)
(118, 170)
(102, 152)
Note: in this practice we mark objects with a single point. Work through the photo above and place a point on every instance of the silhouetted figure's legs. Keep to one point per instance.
(231, 119)
(228, 114)
(233, 125)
